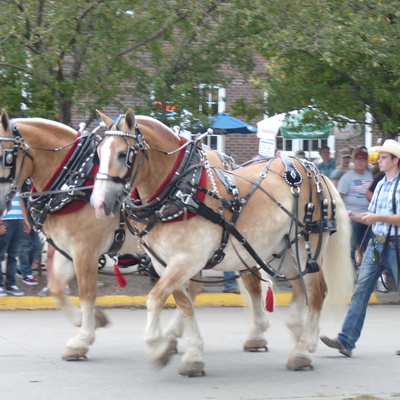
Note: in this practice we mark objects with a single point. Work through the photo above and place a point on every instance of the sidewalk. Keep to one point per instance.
(135, 294)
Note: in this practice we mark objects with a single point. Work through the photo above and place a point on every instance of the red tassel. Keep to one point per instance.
(121, 280)
(269, 300)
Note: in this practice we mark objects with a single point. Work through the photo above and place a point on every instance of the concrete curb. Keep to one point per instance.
(203, 299)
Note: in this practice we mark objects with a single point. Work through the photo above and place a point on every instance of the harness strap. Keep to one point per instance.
(209, 214)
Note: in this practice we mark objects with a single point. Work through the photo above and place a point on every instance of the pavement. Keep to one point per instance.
(31, 344)
(110, 296)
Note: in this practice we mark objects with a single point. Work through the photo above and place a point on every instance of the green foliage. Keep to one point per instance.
(56, 56)
(342, 56)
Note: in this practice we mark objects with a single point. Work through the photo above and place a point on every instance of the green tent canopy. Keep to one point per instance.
(293, 127)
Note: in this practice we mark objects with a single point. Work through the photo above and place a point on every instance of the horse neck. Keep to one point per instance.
(157, 167)
(40, 135)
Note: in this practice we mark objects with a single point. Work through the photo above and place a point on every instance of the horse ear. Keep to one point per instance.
(107, 120)
(130, 119)
(4, 119)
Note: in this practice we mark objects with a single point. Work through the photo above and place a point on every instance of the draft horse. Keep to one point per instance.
(58, 159)
(229, 221)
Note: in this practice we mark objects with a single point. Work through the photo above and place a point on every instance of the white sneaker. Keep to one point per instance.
(43, 292)
(2, 292)
(14, 290)
(30, 280)
(380, 287)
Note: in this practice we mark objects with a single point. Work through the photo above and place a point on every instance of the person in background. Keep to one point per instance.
(353, 186)
(15, 222)
(31, 246)
(230, 286)
(343, 166)
(300, 154)
(382, 252)
(277, 152)
(326, 164)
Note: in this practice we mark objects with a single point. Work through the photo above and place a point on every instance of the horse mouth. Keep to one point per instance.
(104, 211)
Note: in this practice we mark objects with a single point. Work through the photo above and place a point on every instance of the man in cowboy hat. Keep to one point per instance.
(383, 250)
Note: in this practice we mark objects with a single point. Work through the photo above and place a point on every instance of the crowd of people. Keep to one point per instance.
(20, 249)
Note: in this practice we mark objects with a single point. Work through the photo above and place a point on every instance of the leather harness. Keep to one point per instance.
(179, 197)
(66, 187)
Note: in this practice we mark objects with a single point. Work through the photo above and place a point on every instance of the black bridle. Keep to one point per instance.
(131, 154)
(9, 159)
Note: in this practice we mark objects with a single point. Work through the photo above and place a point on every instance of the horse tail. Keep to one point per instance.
(337, 266)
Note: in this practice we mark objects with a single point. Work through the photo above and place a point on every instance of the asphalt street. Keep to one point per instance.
(31, 343)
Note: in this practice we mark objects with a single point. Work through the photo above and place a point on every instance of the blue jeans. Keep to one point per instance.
(31, 246)
(361, 234)
(232, 283)
(10, 244)
(370, 272)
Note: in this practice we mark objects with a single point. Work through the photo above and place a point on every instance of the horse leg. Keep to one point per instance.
(300, 356)
(295, 320)
(192, 362)
(158, 346)
(62, 273)
(175, 325)
(255, 339)
(86, 271)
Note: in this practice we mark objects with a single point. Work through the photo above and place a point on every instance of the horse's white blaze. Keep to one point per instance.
(98, 199)
(106, 155)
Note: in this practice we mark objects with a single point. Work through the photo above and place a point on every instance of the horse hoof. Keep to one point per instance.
(190, 369)
(254, 345)
(299, 363)
(101, 319)
(74, 354)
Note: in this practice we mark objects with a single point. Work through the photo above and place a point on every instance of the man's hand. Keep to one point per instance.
(369, 218)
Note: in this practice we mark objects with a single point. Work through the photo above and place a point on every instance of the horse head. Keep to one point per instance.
(30, 147)
(10, 143)
(130, 158)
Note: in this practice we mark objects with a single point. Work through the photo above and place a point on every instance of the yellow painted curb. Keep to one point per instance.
(203, 299)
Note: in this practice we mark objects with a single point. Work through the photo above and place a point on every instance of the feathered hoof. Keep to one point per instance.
(74, 354)
(254, 345)
(299, 363)
(193, 368)
(101, 319)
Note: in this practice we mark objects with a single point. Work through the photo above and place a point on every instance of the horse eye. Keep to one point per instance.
(122, 155)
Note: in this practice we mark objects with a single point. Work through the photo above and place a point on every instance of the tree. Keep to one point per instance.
(55, 56)
(342, 56)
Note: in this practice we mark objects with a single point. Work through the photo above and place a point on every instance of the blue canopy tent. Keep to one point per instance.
(225, 123)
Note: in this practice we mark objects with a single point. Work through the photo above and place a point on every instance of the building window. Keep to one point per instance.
(284, 144)
(314, 145)
(208, 100)
(212, 101)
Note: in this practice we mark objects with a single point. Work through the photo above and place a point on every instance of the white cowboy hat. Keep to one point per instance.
(389, 146)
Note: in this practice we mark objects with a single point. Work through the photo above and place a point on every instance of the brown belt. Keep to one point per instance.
(384, 239)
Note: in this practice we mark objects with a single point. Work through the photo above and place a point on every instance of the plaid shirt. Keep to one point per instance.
(382, 203)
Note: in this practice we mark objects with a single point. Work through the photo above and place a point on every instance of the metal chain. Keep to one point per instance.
(213, 183)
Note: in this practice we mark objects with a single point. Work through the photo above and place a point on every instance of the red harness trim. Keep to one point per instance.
(75, 205)
(199, 194)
